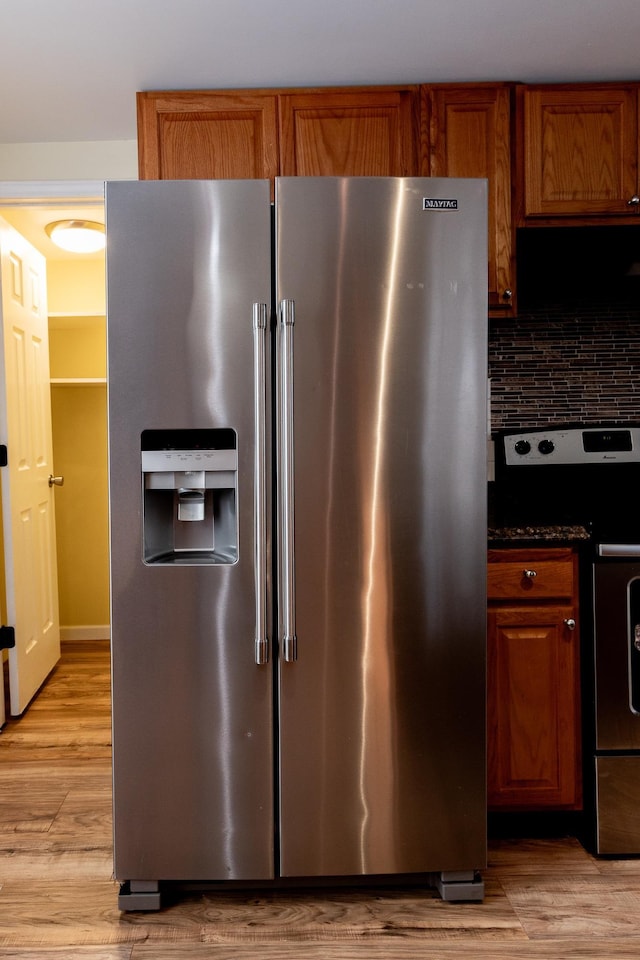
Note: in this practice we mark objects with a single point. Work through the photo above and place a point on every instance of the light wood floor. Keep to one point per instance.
(545, 898)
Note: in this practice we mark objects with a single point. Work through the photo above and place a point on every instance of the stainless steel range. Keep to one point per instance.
(590, 476)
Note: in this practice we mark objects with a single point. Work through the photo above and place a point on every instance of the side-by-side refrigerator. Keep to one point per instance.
(297, 446)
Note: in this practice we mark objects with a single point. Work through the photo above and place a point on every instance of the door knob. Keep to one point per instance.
(529, 574)
(55, 481)
(570, 623)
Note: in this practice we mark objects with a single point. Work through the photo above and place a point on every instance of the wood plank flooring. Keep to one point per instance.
(545, 899)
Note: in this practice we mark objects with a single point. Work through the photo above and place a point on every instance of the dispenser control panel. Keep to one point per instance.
(163, 461)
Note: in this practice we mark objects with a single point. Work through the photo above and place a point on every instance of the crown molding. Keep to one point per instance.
(52, 192)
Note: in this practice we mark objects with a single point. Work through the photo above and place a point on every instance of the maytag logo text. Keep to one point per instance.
(428, 203)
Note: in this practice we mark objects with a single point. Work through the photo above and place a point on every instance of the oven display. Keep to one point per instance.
(607, 441)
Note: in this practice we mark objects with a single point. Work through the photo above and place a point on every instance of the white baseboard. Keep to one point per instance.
(99, 632)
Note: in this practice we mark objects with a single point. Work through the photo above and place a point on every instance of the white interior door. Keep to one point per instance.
(27, 496)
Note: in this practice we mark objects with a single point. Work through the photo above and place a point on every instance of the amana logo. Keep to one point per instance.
(428, 203)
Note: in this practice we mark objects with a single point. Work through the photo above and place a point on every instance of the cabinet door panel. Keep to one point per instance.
(533, 723)
(580, 150)
(471, 137)
(349, 133)
(207, 136)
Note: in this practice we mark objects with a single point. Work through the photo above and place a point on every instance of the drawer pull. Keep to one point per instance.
(570, 623)
(529, 574)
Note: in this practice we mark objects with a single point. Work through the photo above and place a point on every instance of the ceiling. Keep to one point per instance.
(31, 220)
(69, 70)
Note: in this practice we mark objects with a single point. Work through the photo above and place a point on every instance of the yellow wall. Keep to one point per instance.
(76, 287)
(77, 349)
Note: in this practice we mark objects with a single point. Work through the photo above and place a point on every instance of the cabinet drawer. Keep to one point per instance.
(532, 580)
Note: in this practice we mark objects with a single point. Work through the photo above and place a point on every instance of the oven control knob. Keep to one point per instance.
(522, 447)
(546, 446)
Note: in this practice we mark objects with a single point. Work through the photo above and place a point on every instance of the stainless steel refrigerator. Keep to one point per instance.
(297, 433)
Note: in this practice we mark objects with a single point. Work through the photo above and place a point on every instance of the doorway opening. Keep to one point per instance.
(77, 353)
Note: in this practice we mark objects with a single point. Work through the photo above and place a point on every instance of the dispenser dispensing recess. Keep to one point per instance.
(189, 484)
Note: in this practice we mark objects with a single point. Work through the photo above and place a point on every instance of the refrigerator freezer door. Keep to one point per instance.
(382, 742)
(192, 707)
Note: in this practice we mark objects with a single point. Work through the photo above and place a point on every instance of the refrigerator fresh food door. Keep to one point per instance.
(189, 281)
(382, 291)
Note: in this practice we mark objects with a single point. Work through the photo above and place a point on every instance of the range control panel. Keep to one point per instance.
(571, 445)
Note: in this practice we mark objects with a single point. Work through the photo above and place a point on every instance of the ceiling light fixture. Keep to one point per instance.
(77, 236)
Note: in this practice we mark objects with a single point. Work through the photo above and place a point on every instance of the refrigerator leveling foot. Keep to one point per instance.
(460, 885)
(137, 895)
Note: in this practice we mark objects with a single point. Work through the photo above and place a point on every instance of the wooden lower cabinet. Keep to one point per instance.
(533, 696)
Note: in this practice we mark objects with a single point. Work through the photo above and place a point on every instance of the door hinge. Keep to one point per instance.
(3, 455)
(7, 638)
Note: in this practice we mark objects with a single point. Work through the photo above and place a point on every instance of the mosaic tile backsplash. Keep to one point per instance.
(573, 354)
(565, 363)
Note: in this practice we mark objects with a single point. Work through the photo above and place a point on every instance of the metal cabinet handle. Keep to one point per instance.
(56, 481)
(634, 201)
(570, 623)
(507, 294)
(260, 481)
(286, 321)
(529, 574)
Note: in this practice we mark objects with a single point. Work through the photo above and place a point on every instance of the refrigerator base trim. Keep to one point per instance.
(460, 885)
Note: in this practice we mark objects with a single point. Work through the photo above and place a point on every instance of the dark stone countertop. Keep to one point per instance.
(514, 536)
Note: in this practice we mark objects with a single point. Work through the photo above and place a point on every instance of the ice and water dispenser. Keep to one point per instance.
(189, 485)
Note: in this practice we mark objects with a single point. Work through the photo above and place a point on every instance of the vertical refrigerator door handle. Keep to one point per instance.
(260, 481)
(286, 487)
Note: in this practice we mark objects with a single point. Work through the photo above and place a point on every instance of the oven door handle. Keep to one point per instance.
(619, 550)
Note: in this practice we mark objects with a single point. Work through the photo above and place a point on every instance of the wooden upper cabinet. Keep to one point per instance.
(349, 132)
(470, 136)
(355, 131)
(207, 135)
(578, 155)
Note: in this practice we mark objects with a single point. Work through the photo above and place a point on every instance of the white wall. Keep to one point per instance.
(90, 160)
